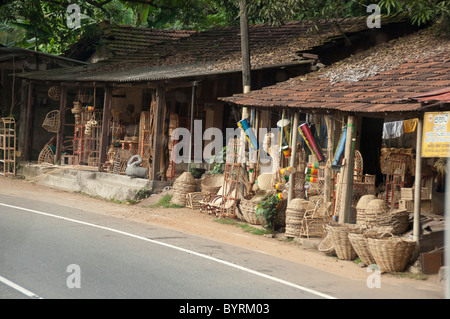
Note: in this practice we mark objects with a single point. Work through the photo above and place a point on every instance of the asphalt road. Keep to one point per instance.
(53, 252)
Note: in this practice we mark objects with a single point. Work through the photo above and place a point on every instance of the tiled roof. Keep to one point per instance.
(213, 51)
(387, 91)
(269, 44)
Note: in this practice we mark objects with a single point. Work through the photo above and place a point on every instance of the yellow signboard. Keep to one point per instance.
(436, 134)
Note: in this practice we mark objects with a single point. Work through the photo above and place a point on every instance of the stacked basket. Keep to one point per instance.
(183, 185)
(295, 211)
(376, 213)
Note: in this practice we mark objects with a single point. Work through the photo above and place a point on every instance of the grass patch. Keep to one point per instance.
(244, 226)
(165, 203)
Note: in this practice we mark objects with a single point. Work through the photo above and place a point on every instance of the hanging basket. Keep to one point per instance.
(391, 254)
(54, 93)
(52, 121)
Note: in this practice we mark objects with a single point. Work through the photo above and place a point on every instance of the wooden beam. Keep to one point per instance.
(160, 105)
(62, 120)
(29, 122)
(104, 145)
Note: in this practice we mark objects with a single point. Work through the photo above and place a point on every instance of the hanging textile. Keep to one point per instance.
(409, 126)
(392, 129)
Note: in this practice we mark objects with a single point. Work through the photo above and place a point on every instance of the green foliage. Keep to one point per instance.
(218, 162)
(267, 209)
(164, 202)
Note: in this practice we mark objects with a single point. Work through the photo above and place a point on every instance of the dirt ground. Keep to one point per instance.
(200, 224)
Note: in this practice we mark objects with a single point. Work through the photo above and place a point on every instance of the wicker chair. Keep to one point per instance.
(315, 220)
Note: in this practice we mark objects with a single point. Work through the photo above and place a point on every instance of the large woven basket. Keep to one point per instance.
(359, 244)
(295, 212)
(183, 185)
(391, 254)
(341, 242)
(327, 245)
(247, 207)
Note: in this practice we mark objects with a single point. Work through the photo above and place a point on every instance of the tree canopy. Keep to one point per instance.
(43, 24)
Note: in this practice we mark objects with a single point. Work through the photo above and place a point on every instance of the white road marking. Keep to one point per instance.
(281, 281)
(19, 288)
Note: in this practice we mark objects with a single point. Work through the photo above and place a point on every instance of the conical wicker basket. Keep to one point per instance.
(361, 207)
(374, 211)
(391, 254)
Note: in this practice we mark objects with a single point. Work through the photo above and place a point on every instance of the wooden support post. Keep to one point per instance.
(62, 120)
(29, 122)
(418, 182)
(347, 173)
(328, 171)
(292, 159)
(104, 145)
(158, 131)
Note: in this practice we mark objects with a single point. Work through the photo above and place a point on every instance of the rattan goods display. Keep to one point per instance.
(183, 185)
(391, 254)
(341, 243)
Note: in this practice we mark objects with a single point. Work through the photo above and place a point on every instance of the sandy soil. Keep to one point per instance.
(200, 224)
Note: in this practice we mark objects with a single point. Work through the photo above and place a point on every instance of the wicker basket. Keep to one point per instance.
(54, 92)
(391, 254)
(326, 245)
(211, 184)
(374, 211)
(359, 244)
(295, 211)
(183, 185)
(51, 122)
(361, 207)
(247, 207)
(341, 243)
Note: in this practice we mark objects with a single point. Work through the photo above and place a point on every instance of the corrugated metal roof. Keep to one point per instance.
(440, 95)
(390, 91)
